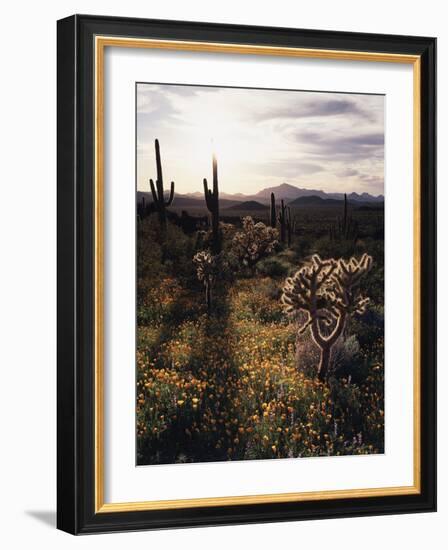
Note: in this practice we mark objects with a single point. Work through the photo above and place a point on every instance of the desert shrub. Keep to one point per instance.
(346, 357)
(256, 304)
(369, 330)
(302, 246)
(273, 267)
(307, 355)
(149, 252)
(178, 252)
(166, 303)
(327, 247)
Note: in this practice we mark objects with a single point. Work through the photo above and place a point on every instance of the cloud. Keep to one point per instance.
(287, 168)
(356, 146)
(347, 172)
(315, 108)
(332, 141)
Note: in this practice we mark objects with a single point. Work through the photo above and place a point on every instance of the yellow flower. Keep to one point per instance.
(180, 402)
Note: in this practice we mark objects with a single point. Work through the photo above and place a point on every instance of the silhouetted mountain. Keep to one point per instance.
(286, 191)
(283, 191)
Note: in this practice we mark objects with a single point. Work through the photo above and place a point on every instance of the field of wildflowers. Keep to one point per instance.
(241, 383)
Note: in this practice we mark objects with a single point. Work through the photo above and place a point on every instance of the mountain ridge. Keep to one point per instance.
(285, 191)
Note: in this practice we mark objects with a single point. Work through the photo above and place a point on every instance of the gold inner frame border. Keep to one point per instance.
(100, 43)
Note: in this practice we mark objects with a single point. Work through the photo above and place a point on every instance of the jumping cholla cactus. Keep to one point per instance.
(207, 270)
(158, 196)
(254, 242)
(328, 292)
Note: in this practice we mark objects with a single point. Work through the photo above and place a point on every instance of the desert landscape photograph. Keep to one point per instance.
(259, 273)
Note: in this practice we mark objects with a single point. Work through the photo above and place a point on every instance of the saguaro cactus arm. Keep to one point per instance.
(157, 191)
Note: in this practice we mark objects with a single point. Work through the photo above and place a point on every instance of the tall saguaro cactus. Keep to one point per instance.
(346, 228)
(328, 292)
(289, 225)
(158, 196)
(286, 224)
(273, 215)
(282, 220)
(212, 202)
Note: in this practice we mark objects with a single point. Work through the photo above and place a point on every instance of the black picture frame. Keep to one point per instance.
(76, 265)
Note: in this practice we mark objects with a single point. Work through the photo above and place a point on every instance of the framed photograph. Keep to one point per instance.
(246, 274)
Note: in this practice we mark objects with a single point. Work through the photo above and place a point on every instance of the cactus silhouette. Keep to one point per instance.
(158, 197)
(346, 228)
(282, 221)
(289, 225)
(273, 215)
(286, 223)
(212, 202)
(328, 292)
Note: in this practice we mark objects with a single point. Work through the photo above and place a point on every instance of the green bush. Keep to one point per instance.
(273, 267)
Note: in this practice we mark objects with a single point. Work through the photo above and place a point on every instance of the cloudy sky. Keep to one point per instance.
(262, 138)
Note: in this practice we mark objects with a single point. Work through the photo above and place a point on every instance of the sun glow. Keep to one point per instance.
(261, 139)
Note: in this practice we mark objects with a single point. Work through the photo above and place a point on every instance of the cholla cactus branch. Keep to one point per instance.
(207, 271)
(328, 292)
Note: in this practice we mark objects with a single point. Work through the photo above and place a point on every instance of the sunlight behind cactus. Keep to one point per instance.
(212, 202)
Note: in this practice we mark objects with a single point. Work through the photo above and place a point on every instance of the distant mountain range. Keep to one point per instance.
(286, 191)
(292, 195)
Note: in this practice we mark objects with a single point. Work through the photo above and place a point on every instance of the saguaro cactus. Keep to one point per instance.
(347, 228)
(282, 220)
(158, 197)
(273, 220)
(328, 292)
(289, 225)
(212, 202)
